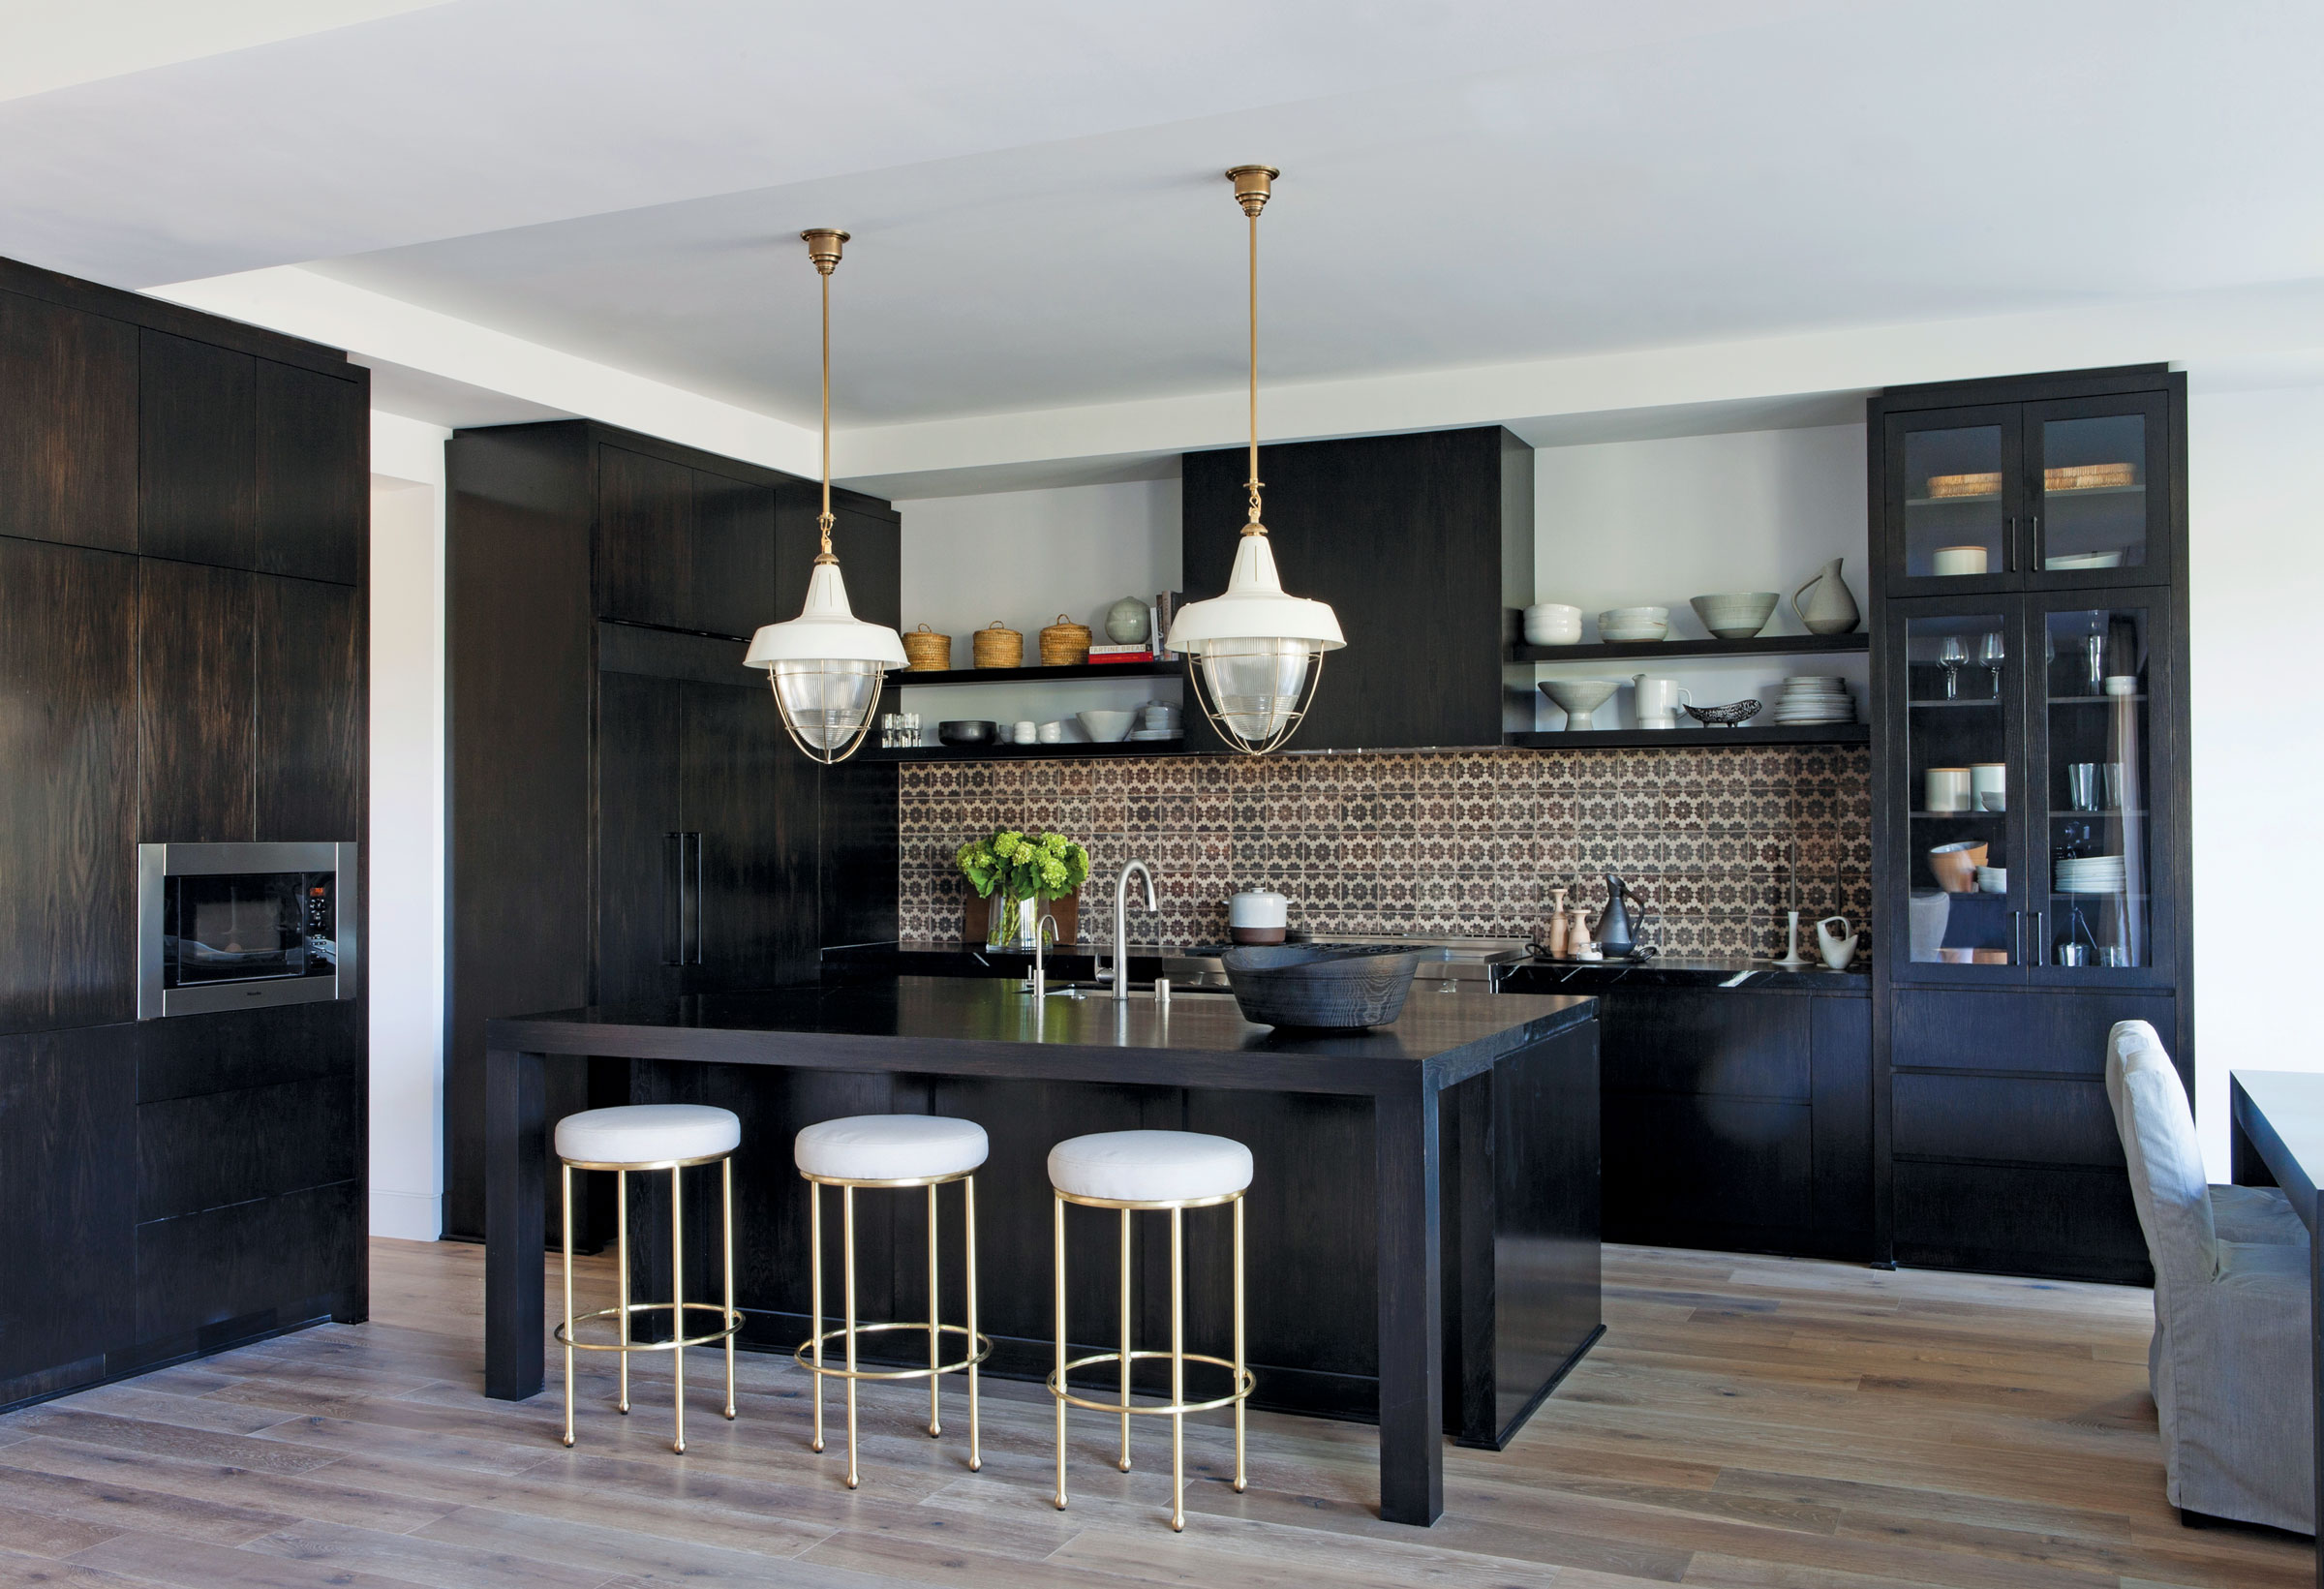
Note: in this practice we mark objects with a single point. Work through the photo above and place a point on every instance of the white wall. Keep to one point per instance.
(406, 952)
(2256, 579)
(1654, 523)
(1024, 557)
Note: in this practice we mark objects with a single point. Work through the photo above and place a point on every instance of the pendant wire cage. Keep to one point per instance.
(1254, 724)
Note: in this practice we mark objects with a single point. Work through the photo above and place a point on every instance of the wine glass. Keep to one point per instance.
(1993, 652)
(1952, 657)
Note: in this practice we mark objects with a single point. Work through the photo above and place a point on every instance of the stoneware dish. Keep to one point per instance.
(1729, 716)
(967, 731)
(1634, 624)
(1106, 727)
(1736, 617)
(1553, 623)
(1955, 866)
(1577, 698)
(1322, 987)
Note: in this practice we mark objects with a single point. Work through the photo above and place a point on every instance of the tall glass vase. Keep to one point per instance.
(1010, 923)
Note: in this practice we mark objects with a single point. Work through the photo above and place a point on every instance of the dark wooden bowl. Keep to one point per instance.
(1325, 986)
(967, 731)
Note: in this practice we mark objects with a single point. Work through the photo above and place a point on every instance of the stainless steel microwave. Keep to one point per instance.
(232, 927)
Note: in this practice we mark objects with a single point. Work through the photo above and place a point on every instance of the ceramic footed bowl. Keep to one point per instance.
(1577, 698)
(1728, 715)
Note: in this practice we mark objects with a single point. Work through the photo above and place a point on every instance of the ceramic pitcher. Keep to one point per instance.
(1839, 946)
(1824, 605)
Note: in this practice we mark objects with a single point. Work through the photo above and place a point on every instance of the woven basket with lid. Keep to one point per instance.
(927, 651)
(1064, 643)
(998, 646)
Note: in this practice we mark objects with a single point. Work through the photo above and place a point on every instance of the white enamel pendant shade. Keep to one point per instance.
(826, 666)
(1254, 648)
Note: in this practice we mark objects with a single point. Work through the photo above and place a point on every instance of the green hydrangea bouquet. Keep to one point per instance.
(1021, 866)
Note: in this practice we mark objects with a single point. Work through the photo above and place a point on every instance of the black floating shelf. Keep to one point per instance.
(907, 679)
(1025, 752)
(1762, 645)
(1689, 739)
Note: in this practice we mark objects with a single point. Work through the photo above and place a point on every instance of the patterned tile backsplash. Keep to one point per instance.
(1433, 844)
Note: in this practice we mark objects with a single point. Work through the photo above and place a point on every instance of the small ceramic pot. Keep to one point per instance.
(1258, 915)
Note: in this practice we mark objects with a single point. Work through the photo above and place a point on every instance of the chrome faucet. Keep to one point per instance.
(1121, 923)
(1047, 932)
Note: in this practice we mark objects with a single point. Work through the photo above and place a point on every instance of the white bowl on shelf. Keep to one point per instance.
(1634, 624)
(1736, 617)
(1577, 698)
(1553, 623)
(1106, 727)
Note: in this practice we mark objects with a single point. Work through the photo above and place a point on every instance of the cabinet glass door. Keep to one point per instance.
(2096, 897)
(1955, 478)
(2099, 485)
(1956, 890)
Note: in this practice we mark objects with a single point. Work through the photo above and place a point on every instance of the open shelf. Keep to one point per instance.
(1689, 738)
(1068, 672)
(1762, 645)
(1023, 752)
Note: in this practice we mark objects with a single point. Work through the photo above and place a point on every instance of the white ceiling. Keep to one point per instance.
(1038, 216)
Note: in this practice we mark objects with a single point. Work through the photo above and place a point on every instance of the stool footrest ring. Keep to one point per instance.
(805, 1356)
(1244, 1387)
(734, 1323)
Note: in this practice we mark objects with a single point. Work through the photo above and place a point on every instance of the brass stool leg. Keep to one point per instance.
(620, 1253)
(1178, 1369)
(847, 1275)
(1060, 1267)
(678, 1311)
(935, 1421)
(814, 1287)
(976, 1456)
(726, 1237)
(1126, 1341)
(566, 1171)
(1240, 1476)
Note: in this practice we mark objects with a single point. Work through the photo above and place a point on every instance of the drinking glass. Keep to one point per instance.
(1952, 658)
(1993, 652)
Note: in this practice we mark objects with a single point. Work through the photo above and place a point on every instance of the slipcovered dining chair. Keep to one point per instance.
(2237, 1213)
(2229, 1360)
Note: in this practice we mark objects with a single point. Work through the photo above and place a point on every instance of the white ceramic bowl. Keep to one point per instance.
(1736, 617)
(1553, 623)
(1992, 879)
(1580, 697)
(1634, 624)
(1106, 727)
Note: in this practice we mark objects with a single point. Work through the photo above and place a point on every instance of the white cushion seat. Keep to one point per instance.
(646, 1134)
(1150, 1166)
(890, 1148)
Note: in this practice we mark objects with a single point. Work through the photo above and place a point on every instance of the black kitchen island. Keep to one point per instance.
(1422, 1225)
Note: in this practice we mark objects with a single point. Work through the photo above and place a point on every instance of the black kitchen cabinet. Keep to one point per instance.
(1738, 1119)
(69, 786)
(1422, 544)
(2049, 482)
(681, 547)
(170, 1186)
(2030, 663)
(628, 819)
(69, 430)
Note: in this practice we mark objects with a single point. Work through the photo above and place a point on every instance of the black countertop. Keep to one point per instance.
(988, 1025)
(1078, 963)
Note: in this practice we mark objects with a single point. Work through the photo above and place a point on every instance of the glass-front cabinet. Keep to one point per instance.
(2020, 761)
(2028, 496)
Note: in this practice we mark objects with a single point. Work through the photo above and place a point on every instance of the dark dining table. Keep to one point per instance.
(2277, 1139)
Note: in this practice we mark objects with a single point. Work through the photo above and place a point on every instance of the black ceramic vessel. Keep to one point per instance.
(966, 731)
(1326, 987)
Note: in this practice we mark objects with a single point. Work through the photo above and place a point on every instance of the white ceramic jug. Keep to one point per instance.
(1839, 948)
(1830, 609)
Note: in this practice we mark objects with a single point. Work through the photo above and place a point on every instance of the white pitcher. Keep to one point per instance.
(1839, 948)
(1658, 700)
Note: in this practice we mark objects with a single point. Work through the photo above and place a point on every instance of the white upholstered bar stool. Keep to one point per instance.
(640, 1137)
(1138, 1171)
(891, 1152)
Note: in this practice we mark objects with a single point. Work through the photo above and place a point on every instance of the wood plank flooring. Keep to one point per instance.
(1745, 1422)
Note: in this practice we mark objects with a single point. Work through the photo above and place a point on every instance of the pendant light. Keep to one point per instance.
(826, 665)
(1254, 654)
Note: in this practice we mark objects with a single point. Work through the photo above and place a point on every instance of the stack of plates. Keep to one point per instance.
(2090, 874)
(1816, 698)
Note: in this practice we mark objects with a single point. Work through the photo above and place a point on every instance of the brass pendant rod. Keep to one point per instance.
(1254, 481)
(825, 520)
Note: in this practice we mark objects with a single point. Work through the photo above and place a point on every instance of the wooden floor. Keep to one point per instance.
(1745, 1422)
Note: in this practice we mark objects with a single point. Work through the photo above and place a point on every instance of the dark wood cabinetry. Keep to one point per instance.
(2029, 623)
(184, 515)
(1422, 544)
(630, 820)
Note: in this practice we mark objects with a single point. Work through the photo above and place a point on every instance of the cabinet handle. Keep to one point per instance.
(2040, 955)
(697, 870)
(2009, 545)
(2017, 935)
(673, 899)
(2033, 535)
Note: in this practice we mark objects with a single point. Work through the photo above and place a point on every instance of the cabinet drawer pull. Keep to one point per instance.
(673, 899)
(2009, 545)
